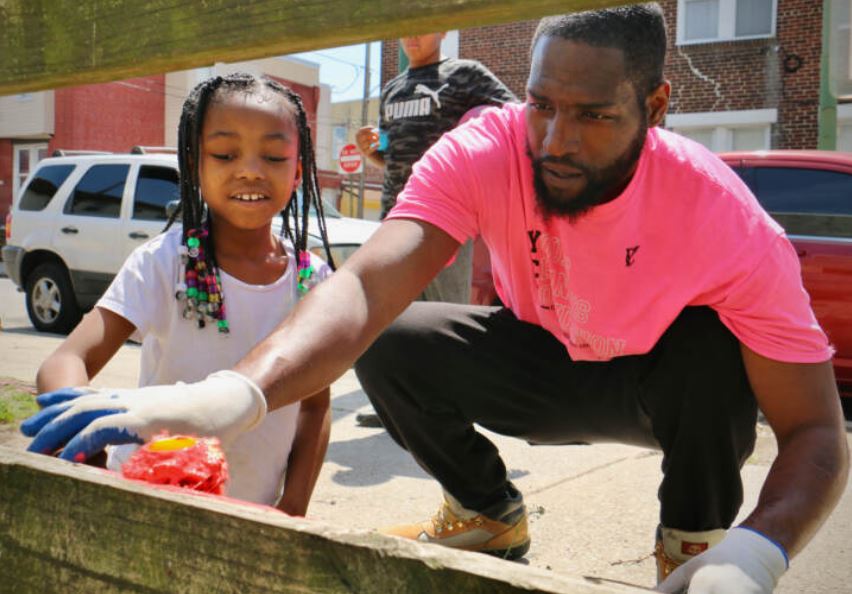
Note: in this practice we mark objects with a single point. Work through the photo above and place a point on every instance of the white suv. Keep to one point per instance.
(78, 217)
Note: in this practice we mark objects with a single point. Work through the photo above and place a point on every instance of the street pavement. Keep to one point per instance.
(593, 509)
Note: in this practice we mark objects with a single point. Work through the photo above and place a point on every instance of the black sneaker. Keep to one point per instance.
(368, 420)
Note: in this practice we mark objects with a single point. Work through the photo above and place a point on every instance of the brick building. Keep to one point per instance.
(504, 49)
(108, 117)
(745, 74)
(346, 121)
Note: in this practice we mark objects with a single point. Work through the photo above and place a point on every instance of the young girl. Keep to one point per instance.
(200, 296)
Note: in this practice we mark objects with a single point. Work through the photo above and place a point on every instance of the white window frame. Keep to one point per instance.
(32, 148)
(723, 124)
(727, 24)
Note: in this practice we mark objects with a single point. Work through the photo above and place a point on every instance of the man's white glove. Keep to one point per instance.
(745, 562)
(84, 420)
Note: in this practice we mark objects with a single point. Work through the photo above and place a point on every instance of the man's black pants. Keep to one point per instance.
(441, 367)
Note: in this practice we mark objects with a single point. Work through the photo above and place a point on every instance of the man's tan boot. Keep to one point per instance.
(456, 527)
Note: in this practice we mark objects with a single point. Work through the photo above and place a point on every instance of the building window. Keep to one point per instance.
(840, 49)
(25, 157)
(703, 21)
(450, 45)
(844, 136)
(844, 127)
(720, 131)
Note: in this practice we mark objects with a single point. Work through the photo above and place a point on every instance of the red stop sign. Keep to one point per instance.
(349, 158)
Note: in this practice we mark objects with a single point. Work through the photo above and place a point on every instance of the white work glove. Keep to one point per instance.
(745, 562)
(223, 405)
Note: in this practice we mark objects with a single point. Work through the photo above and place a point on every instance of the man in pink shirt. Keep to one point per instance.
(649, 300)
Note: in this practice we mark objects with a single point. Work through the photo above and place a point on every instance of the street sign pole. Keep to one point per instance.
(364, 106)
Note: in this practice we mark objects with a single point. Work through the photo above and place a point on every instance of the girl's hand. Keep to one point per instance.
(85, 421)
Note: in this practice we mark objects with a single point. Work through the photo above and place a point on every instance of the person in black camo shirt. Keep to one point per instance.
(417, 107)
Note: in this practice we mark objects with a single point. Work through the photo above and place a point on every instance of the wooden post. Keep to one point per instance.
(71, 528)
(46, 44)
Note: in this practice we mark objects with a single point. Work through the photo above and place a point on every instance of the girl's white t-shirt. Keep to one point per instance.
(176, 350)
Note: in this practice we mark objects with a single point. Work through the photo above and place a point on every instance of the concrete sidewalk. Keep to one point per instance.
(593, 509)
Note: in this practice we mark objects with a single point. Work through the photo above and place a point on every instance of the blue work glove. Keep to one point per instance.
(744, 562)
(85, 421)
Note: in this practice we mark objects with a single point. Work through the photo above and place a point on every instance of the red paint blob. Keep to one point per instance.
(196, 463)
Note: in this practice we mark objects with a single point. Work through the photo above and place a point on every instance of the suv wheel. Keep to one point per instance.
(51, 304)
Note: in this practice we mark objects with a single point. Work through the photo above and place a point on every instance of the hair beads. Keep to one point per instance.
(307, 278)
(201, 289)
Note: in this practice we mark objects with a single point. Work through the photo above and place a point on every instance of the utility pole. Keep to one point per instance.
(365, 104)
(827, 135)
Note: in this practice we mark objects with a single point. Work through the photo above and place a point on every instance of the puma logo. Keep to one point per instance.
(629, 256)
(424, 90)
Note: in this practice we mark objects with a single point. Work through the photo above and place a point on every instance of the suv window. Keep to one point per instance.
(805, 201)
(155, 187)
(99, 192)
(43, 186)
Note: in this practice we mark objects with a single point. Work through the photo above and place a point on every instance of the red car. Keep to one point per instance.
(810, 194)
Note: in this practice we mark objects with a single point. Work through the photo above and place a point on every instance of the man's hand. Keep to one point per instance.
(745, 562)
(84, 421)
(367, 140)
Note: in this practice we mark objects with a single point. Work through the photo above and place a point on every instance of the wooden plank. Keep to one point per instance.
(71, 528)
(48, 43)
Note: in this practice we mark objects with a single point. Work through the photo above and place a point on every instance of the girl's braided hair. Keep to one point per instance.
(202, 288)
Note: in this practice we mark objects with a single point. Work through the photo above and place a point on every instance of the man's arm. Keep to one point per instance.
(341, 317)
(801, 404)
(320, 339)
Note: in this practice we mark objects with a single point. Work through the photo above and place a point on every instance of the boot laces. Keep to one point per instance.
(445, 520)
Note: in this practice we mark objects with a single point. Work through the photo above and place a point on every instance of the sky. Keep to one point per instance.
(342, 68)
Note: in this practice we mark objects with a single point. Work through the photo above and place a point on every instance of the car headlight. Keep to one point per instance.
(340, 252)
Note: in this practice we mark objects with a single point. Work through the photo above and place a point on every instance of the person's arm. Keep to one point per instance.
(801, 404)
(316, 344)
(86, 350)
(342, 316)
(367, 141)
(307, 454)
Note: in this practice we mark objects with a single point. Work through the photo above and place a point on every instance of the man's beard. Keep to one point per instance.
(602, 185)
